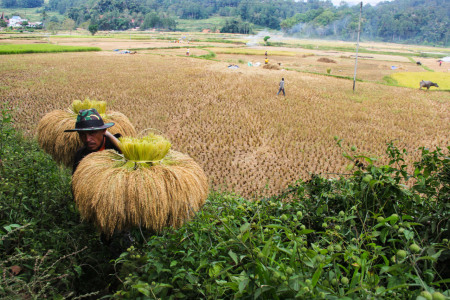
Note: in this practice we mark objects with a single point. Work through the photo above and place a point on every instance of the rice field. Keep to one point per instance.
(251, 51)
(42, 48)
(230, 121)
(412, 79)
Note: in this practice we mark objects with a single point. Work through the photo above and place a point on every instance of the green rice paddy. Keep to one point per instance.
(42, 48)
(412, 79)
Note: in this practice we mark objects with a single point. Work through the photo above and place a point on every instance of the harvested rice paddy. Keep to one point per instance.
(230, 121)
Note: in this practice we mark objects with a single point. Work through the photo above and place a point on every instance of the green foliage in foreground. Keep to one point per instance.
(42, 48)
(365, 236)
(44, 249)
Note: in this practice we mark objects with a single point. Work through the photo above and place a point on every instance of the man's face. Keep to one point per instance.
(92, 139)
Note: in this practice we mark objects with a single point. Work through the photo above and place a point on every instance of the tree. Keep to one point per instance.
(151, 20)
(237, 26)
(9, 3)
(44, 17)
(54, 19)
(93, 28)
(69, 25)
(266, 38)
(53, 27)
(30, 3)
(3, 23)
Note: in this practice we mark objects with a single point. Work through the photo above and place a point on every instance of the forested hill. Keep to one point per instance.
(417, 21)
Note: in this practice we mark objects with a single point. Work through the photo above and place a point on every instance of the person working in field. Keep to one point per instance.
(94, 135)
(281, 87)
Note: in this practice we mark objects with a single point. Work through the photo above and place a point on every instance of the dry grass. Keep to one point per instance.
(230, 121)
(115, 197)
(61, 145)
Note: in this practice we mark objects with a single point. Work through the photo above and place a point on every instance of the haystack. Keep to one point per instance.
(61, 145)
(327, 60)
(117, 193)
(271, 67)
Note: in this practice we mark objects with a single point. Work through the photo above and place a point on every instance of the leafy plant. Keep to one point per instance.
(44, 249)
(93, 28)
(357, 237)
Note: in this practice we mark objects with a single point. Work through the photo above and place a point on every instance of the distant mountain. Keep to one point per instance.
(412, 21)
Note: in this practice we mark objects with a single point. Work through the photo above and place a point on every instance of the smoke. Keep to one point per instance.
(337, 29)
(275, 36)
(253, 40)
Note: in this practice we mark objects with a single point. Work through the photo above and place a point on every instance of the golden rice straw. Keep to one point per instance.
(115, 197)
(61, 145)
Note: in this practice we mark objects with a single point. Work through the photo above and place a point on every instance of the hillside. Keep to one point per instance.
(401, 21)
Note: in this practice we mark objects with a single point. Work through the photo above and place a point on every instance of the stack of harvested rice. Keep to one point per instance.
(149, 186)
(61, 145)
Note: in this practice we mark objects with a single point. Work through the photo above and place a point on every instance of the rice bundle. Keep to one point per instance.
(149, 150)
(61, 145)
(144, 187)
(78, 105)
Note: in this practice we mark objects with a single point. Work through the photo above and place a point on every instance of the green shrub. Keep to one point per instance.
(348, 237)
(363, 236)
(44, 249)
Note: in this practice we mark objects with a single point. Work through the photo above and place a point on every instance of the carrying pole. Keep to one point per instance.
(357, 45)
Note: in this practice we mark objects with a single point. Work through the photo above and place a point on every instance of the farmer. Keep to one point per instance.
(281, 87)
(92, 132)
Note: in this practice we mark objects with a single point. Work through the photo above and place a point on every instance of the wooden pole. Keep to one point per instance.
(357, 45)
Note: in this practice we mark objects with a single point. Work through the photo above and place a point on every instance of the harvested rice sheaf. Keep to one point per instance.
(116, 193)
(151, 148)
(61, 145)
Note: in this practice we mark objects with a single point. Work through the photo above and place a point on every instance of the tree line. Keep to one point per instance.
(417, 21)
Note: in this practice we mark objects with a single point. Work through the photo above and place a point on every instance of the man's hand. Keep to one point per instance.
(113, 139)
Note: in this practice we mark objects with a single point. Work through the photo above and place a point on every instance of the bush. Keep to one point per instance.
(44, 249)
(366, 236)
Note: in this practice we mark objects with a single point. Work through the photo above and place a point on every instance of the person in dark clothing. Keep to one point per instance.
(281, 87)
(94, 135)
(105, 139)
